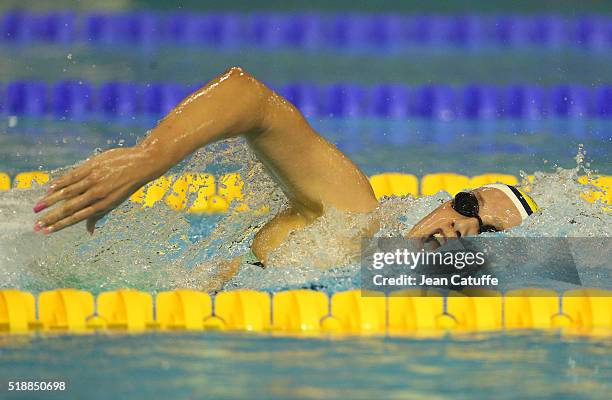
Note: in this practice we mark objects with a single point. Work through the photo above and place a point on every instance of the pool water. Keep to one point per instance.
(226, 366)
(230, 366)
(377, 145)
(160, 249)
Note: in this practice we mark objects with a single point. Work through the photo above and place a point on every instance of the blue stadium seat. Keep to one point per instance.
(26, 98)
(71, 98)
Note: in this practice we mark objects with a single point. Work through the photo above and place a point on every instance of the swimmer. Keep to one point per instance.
(311, 171)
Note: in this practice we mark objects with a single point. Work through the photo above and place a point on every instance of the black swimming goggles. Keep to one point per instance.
(466, 204)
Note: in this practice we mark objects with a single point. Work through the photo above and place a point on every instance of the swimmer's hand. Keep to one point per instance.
(94, 188)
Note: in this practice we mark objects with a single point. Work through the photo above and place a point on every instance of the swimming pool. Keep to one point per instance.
(158, 249)
(222, 366)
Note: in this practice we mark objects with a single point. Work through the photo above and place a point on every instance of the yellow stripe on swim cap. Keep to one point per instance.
(530, 201)
(523, 203)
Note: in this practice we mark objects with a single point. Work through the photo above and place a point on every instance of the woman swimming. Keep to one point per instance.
(312, 172)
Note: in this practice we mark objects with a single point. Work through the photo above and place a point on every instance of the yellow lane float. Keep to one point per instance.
(204, 193)
(307, 312)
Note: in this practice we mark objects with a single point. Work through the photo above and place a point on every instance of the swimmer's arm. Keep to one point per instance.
(229, 105)
(309, 169)
(233, 104)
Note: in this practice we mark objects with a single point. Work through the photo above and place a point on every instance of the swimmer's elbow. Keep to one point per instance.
(247, 82)
(250, 89)
(236, 71)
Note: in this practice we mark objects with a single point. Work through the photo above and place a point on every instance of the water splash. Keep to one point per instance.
(152, 249)
(158, 249)
(564, 213)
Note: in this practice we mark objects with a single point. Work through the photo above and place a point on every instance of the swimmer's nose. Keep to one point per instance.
(449, 232)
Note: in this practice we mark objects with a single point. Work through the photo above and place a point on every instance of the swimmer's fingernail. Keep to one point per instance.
(48, 230)
(38, 226)
(39, 207)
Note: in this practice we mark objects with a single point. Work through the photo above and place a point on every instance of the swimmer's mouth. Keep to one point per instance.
(434, 241)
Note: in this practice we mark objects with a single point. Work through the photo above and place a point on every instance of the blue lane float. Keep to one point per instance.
(142, 28)
(570, 101)
(26, 98)
(481, 102)
(603, 101)
(306, 30)
(72, 99)
(79, 99)
(304, 95)
(56, 27)
(389, 101)
(434, 102)
(525, 102)
(160, 98)
(343, 100)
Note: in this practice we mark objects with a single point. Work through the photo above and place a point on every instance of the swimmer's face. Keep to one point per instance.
(495, 209)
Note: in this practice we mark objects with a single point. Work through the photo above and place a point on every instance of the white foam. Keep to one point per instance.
(155, 249)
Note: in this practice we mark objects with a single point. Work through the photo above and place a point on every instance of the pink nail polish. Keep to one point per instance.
(39, 207)
(38, 226)
(48, 230)
(51, 189)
